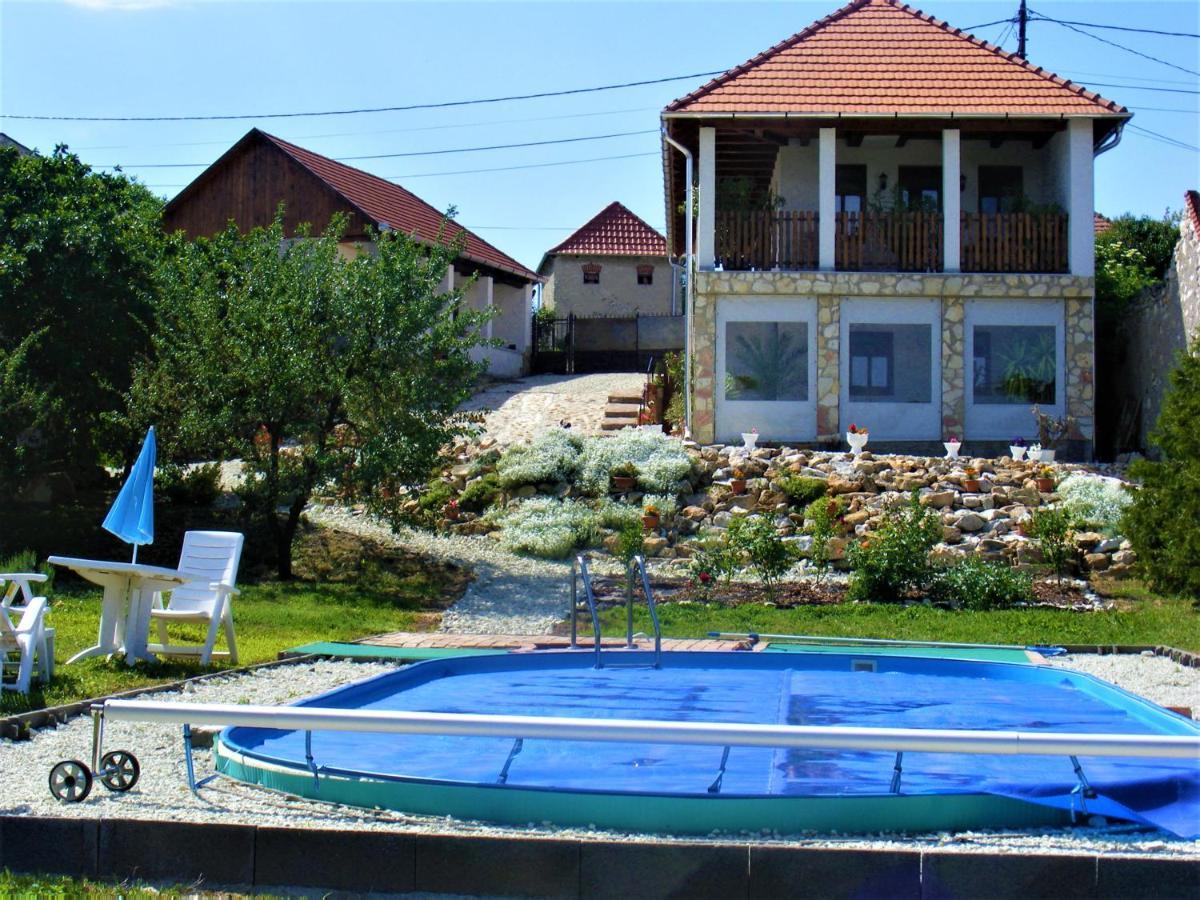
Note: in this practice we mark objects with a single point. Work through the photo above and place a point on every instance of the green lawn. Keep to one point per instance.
(31, 886)
(269, 617)
(1141, 619)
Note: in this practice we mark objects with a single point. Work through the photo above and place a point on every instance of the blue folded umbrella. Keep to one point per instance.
(132, 515)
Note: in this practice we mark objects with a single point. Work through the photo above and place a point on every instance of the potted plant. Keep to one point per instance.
(856, 437)
(1034, 453)
(737, 481)
(1045, 480)
(650, 517)
(1017, 448)
(623, 477)
(451, 510)
(749, 438)
(970, 481)
(1051, 432)
(952, 445)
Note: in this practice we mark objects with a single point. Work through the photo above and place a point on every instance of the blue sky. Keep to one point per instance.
(161, 57)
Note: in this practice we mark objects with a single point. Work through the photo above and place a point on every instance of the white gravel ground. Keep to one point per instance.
(162, 792)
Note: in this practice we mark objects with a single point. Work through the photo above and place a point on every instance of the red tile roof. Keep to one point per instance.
(1191, 202)
(880, 57)
(614, 231)
(1100, 223)
(386, 203)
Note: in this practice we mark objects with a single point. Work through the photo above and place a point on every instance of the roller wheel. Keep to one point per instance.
(119, 770)
(70, 781)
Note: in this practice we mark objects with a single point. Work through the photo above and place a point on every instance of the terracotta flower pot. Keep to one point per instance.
(623, 483)
(970, 485)
(650, 523)
(1045, 485)
(738, 485)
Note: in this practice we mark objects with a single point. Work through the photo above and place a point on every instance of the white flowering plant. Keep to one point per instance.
(549, 528)
(1093, 501)
(661, 461)
(552, 457)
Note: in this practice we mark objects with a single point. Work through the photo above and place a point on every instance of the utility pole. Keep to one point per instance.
(1022, 19)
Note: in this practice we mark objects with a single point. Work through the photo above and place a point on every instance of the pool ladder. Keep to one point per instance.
(579, 572)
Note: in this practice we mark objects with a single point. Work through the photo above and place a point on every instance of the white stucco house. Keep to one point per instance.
(894, 228)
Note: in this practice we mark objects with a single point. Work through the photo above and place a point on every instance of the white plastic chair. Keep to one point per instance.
(26, 637)
(214, 555)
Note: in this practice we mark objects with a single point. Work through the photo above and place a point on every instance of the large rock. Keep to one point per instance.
(694, 513)
(938, 499)
(969, 522)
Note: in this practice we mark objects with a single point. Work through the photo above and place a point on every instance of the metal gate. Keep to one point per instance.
(579, 344)
(553, 346)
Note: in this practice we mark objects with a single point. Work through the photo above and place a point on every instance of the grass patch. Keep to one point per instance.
(363, 589)
(13, 885)
(1141, 618)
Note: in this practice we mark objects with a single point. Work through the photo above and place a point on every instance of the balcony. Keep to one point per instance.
(764, 240)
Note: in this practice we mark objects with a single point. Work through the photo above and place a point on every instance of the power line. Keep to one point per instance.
(1186, 112)
(1128, 77)
(1165, 137)
(574, 140)
(1138, 87)
(1096, 37)
(986, 25)
(545, 165)
(377, 109)
(1186, 34)
(333, 134)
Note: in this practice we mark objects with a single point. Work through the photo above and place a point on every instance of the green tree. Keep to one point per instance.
(1154, 238)
(1161, 521)
(78, 251)
(314, 370)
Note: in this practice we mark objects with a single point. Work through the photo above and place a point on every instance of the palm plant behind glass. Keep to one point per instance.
(773, 366)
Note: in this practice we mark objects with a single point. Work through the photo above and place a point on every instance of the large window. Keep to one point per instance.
(890, 363)
(850, 188)
(1000, 188)
(921, 188)
(766, 361)
(1014, 364)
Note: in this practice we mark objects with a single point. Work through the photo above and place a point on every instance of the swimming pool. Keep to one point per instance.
(698, 789)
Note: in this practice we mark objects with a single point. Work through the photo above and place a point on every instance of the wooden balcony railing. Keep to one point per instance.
(892, 241)
(1014, 242)
(888, 242)
(766, 239)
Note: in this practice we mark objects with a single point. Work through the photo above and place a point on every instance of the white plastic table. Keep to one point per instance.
(128, 592)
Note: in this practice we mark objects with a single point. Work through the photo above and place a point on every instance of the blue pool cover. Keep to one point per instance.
(792, 688)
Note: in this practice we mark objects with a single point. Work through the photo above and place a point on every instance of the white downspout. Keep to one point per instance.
(690, 292)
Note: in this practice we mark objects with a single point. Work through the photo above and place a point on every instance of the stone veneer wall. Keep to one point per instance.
(1163, 322)
(829, 288)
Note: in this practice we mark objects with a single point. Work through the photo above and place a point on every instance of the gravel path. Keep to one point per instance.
(518, 410)
(1156, 678)
(162, 792)
(509, 595)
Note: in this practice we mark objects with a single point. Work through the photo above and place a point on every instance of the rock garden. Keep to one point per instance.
(809, 525)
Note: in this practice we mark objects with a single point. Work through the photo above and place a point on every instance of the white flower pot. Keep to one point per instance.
(1046, 456)
(952, 448)
(749, 439)
(1018, 453)
(857, 441)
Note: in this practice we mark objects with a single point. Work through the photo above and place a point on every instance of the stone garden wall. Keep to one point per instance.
(952, 290)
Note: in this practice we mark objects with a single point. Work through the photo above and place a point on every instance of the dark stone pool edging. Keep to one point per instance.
(240, 856)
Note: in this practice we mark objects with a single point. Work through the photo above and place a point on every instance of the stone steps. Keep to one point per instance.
(620, 413)
(625, 399)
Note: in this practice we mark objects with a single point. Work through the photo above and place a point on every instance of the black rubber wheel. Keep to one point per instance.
(119, 770)
(70, 781)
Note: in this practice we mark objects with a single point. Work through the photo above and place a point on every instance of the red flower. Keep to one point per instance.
(705, 577)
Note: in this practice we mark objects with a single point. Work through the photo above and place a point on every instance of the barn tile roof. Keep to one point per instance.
(874, 57)
(389, 204)
(614, 231)
(1100, 224)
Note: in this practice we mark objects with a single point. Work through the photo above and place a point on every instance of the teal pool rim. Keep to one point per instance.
(645, 812)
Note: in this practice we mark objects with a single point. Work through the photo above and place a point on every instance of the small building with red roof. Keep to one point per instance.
(893, 225)
(249, 181)
(614, 265)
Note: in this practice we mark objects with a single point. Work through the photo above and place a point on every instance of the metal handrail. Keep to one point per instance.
(639, 562)
(591, 602)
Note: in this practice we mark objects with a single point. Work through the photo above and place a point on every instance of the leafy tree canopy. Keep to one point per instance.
(78, 251)
(317, 371)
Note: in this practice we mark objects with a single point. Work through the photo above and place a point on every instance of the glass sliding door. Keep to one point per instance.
(891, 368)
(766, 369)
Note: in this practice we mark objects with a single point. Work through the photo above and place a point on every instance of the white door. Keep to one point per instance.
(891, 368)
(766, 375)
(1015, 359)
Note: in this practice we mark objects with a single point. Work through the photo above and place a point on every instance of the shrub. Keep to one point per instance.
(662, 463)
(754, 539)
(980, 585)
(821, 521)
(629, 543)
(1094, 502)
(1051, 528)
(802, 490)
(714, 560)
(194, 486)
(26, 561)
(549, 528)
(674, 414)
(434, 497)
(552, 457)
(481, 493)
(618, 516)
(895, 560)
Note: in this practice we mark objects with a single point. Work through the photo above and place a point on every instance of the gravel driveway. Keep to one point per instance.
(518, 410)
